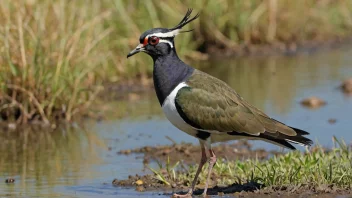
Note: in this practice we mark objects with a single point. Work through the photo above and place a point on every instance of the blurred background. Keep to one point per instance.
(70, 100)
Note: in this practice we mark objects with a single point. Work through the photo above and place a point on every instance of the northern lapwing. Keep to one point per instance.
(204, 106)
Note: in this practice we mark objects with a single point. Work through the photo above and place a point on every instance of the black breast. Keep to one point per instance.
(168, 73)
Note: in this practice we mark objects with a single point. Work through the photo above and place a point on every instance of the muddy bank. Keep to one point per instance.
(190, 154)
(249, 189)
(169, 182)
(150, 183)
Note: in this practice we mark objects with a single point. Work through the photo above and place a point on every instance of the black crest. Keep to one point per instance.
(185, 20)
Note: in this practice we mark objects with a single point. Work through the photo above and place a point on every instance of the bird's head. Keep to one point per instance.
(160, 41)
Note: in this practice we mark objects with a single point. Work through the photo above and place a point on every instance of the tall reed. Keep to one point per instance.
(50, 51)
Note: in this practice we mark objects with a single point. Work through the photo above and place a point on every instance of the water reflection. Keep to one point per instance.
(41, 159)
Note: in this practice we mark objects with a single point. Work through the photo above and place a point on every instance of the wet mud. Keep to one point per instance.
(190, 154)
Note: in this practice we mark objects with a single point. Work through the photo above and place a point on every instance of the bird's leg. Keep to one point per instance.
(202, 162)
(212, 161)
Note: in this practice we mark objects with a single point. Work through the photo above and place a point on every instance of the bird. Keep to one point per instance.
(203, 106)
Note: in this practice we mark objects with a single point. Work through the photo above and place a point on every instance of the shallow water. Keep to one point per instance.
(81, 161)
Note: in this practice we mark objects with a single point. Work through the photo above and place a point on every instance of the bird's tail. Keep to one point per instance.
(285, 140)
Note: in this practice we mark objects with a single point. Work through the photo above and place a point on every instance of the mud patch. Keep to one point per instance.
(150, 183)
(190, 154)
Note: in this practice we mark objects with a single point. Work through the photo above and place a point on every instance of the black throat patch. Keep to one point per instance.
(169, 71)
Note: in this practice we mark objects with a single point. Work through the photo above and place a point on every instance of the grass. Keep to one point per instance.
(315, 167)
(47, 72)
(55, 55)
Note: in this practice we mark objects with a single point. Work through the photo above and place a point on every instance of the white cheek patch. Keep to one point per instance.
(166, 41)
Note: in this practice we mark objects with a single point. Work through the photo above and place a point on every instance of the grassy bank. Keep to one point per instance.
(55, 55)
(313, 169)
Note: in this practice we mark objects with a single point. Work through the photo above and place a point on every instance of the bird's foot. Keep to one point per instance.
(188, 195)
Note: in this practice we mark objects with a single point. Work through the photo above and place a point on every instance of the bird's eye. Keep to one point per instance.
(153, 40)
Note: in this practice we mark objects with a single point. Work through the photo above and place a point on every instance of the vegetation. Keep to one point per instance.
(55, 55)
(315, 168)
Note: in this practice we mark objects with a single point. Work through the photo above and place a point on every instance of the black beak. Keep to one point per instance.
(138, 49)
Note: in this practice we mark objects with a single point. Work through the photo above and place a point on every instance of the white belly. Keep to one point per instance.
(172, 115)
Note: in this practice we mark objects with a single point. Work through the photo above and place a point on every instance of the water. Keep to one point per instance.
(81, 161)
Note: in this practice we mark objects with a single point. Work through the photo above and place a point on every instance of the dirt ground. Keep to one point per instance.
(187, 153)
(239, 150)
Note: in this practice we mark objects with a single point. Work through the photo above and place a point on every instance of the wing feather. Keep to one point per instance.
(209, 104)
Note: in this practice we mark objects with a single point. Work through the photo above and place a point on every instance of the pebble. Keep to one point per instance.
(115, 181)
(347, 86)
(332, 120)
(125, 152)
(139, 182)
(313, 102)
